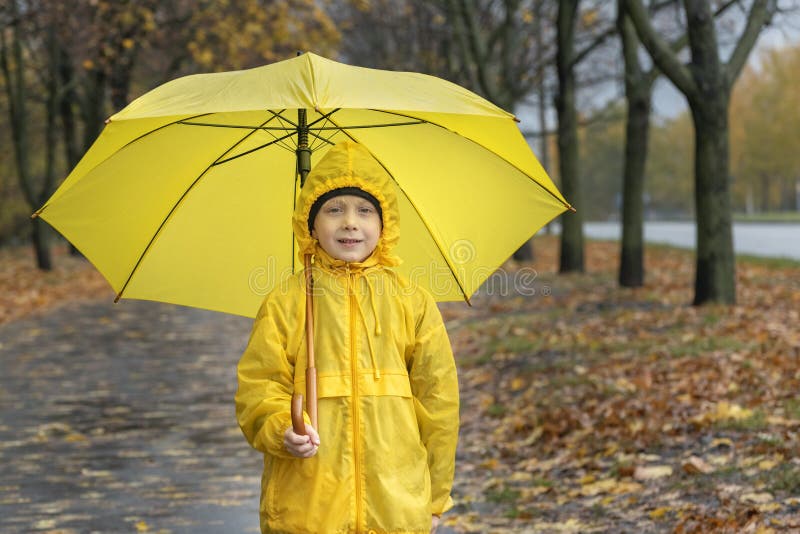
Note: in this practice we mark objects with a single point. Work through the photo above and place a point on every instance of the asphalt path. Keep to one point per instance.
(120, 418)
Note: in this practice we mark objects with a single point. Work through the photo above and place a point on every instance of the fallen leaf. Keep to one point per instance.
(756, 498)
(601, 486)
(652, 472)
(695, 465)
(658, 513)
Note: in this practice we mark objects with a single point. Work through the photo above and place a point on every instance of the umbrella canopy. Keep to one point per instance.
(187, 195)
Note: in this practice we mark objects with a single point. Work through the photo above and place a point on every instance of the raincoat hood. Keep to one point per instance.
(348, 164)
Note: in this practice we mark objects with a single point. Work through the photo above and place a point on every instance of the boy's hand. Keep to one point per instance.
(299, 445)
(434, 523)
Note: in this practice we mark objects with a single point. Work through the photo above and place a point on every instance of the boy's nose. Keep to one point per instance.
(350, 219)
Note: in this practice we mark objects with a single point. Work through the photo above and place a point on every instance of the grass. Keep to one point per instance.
(503, 495)
(768, 217)
(784, 478)
(756, 421)
(792, 407)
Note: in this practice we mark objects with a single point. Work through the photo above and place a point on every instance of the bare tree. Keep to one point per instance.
(706, 81)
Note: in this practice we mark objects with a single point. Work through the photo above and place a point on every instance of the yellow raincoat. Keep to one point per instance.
(388, 393)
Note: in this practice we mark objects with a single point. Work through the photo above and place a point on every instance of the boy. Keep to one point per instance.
(383, 457)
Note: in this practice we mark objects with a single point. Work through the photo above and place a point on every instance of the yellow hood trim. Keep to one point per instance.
(349, 164)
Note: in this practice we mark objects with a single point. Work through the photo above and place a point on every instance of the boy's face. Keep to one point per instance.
(348, 227)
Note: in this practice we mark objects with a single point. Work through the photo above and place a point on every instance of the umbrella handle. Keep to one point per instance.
(298, 425)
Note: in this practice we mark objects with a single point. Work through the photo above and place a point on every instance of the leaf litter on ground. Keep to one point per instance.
(588, 407)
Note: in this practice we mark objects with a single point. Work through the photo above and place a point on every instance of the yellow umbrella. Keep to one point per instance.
(187, 195)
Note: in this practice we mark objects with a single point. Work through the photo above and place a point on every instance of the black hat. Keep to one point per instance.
(355, 191)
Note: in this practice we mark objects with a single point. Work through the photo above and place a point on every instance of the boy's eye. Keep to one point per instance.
(365, 209)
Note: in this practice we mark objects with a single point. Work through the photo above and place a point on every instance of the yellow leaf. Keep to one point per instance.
(586, 479)
(627, 487)
(601, 486)
(658, 513)
(518, 383)
(769, 463)
(490, 464)
(726, 410)
(529, 493)
(769, 507)
(141, 526)
(720, 442)
(635, 426)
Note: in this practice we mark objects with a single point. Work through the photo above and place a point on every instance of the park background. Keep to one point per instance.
(607, 393)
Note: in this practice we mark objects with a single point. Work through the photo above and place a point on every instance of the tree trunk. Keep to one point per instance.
(93, 108)
(631, 268)
(715, 279)
(40, 245)
(707, 83)
(638, 94)
(571, 256)
(68, 125)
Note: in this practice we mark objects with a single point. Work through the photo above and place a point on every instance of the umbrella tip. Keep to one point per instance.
(107, 120)
(116, 299)
(516, 119)
(35, 214)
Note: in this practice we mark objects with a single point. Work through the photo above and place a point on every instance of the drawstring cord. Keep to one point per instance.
(371, 292)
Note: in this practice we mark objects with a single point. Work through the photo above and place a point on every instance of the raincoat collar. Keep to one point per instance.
(325, 261)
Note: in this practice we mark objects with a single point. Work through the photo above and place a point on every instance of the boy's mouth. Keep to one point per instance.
(349, 241)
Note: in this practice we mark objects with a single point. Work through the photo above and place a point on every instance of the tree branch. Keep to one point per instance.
(678, 44)
(597, 41)
(476, 48)
(663, 56)
(760, 14)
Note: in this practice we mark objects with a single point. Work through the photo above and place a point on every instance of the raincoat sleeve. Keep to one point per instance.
(434, 386)
(265, 375)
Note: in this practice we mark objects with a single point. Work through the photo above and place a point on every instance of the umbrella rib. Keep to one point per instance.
(293, 129)
(235, 126)
(531, 178)
(175, 206)
(413, 205)
(265, 145)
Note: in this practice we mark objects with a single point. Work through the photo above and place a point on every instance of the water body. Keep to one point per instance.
(773, 240)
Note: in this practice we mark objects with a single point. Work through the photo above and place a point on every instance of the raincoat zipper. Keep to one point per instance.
(356, 400)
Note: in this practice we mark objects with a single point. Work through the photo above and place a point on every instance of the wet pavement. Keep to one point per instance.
(120, 418)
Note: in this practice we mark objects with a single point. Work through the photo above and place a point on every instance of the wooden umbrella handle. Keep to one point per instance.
(298, 425)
